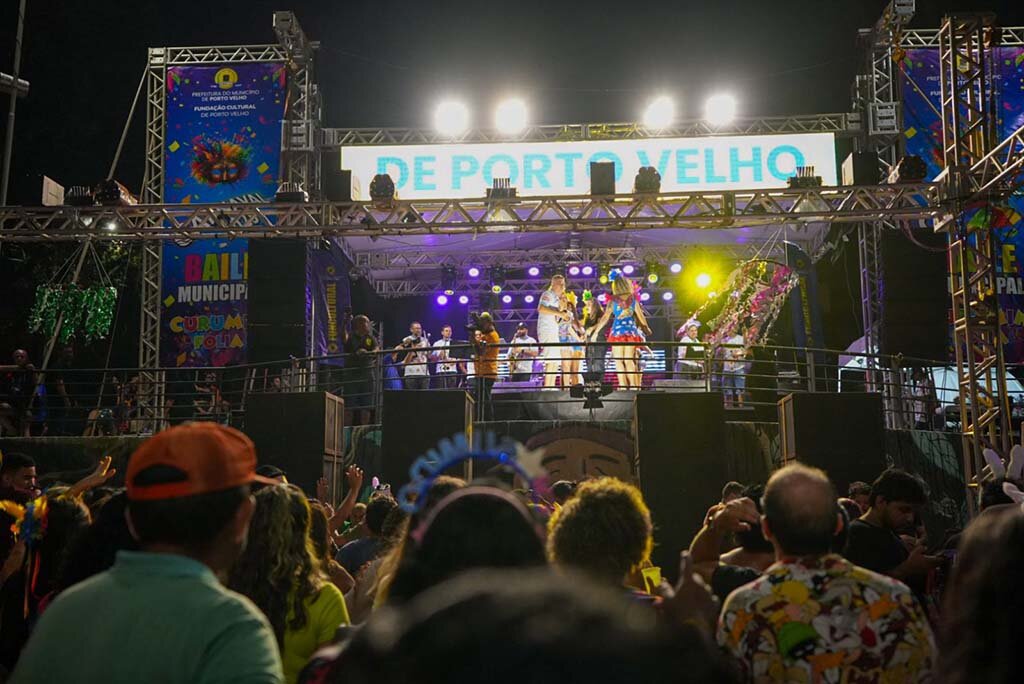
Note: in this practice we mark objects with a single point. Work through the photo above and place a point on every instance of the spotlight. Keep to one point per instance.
(720, 109)
(448, 279)
(507, 299)
(627, 269)
(451, 118)
(497, 276)
(645, 296)
(659, 113)
(533, 271)
(496, 289)
(667, 295)
(653, 272)
(587, 270)
(473, 272)
(528, 299)
(510, 116)
(603, 298)
(647, 180)
(712, 294)
(382, 188)
(574, 270)
(463, 299)
(442, 300)
(676, 267)
(109, 225)
(703, 280)
(603, 274)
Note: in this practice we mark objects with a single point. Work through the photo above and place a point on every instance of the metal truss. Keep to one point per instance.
(1010, 36)
(967, 142)
(514, 315)
(841, 124)
(300, 158)
(581, 213)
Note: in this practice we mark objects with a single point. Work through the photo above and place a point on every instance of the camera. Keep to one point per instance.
(411, 341)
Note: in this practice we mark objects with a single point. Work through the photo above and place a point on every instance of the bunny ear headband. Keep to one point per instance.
(1012, 473)
(451, 452)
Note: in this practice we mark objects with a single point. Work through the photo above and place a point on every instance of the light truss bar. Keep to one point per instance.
(1001, 169)
(582, 213)
(1011, 36)
(841, 124)
(176, 56)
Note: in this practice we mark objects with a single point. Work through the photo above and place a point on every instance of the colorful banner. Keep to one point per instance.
(328, 295)
(223, 144)
(563, 168)
(923, 133)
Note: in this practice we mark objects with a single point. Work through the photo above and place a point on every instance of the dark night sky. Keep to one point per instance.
(383, 64)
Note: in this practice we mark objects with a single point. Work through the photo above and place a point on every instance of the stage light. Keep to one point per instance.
(628, 269)
(109, 225)
(720, 109)
(603, 298)
(647, 180)
(496, 289)
(645, 296)
(676, 267)
(533, 271)
(528, 299)
(449, 276)
(507, 299)
(463, 299)
(382, 189)
(442, 300)
(667, 295)
(587, 270)
(653, 272)
(603, 274)
(510, 116)
(473, 272)
(703, 280)
(497, 276)
(451, 118)
(660, 113)
(574, 270)
(712, 294)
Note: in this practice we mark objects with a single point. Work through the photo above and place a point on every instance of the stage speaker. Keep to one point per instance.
(413, 422)
(915, 295)
(337, 182)
(843, 434)
(602, 178)
(680, 455)
(277, 299)
(300, 433)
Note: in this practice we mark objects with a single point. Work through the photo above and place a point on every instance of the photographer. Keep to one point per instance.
(485, 363)
(360, 358)
(416, 347)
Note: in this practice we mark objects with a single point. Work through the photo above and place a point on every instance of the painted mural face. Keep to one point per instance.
(581, 452)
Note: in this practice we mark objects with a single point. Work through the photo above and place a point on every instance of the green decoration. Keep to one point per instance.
(88, 312)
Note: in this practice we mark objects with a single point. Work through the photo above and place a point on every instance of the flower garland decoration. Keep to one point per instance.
(88, 312)
(30, 520)
(451, 452)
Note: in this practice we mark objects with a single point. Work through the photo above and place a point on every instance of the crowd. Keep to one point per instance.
(207, 568)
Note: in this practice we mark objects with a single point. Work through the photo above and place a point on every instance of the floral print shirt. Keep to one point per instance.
(826, 621)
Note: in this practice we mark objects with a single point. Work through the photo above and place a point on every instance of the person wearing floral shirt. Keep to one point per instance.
(814, 616)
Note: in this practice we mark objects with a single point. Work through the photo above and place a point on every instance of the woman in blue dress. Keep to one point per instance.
(628, 330)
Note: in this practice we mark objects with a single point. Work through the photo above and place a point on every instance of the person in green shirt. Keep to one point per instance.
(281, 573)
(161, 614)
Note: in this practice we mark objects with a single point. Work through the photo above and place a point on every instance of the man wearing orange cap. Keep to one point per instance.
(162, 614)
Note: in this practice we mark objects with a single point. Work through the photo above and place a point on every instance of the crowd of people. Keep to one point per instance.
(205, 567)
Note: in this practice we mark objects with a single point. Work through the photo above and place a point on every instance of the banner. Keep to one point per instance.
(563, 168)
(223, 144)
(328, 294)
(923, 132)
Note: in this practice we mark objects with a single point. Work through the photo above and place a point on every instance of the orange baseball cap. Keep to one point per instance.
(213, 458)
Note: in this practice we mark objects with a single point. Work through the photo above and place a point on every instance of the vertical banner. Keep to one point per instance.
(922, 124)
(223, 144)
(328, 294)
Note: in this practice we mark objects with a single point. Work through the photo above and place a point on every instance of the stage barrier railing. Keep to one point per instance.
(919, 393)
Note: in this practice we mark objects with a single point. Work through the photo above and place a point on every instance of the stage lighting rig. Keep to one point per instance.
(497, 278)
(502, 188)
(660, 113)
(602, 273)
(511, 116)
(720, 110)
(647, 180)
(449, 279)
(804, 178)
(909, 169)
(653, 269)
(451, 118)
(591, 391)
(291, 193)
(382, 189)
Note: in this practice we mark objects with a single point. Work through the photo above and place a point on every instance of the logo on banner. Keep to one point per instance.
(226, 78)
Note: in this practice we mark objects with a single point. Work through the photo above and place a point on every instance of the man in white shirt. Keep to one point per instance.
(522, 354)
(417, 372)
(447, 371)
(689, 364)
(734, 369)
(549, 313)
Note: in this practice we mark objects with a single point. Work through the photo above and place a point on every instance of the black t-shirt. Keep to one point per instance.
(728, 578)
(874, 548)
(353, 344)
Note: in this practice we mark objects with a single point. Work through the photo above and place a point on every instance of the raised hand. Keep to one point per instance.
(322, 490)
(691, 601)
(354, 477)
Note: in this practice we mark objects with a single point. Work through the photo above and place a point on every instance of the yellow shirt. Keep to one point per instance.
(487, 363)
(325, 612)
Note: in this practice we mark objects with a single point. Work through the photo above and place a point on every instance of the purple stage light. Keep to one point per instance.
(644, 296)
(463, 299)
(474, 272)
(588, 270)
(507, 299)
(603, 298)
(574, 270)
(442, 300)
(667, 296)
(533, 271)
(528, 299)
(628, 269)
(676, 267)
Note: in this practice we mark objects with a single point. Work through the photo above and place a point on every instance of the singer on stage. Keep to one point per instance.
(417, 372)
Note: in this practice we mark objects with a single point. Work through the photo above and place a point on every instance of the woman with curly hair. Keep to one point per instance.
(281, 573)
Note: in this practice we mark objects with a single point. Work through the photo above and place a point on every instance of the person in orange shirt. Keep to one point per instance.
(485, 363)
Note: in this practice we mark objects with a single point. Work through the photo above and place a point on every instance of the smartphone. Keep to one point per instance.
(652, 578)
